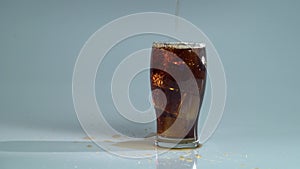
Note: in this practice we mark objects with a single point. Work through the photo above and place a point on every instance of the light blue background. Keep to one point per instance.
(258, 42)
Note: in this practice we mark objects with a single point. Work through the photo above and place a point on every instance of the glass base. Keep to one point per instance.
(176, 143)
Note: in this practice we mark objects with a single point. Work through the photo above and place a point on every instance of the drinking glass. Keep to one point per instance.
(178, 78)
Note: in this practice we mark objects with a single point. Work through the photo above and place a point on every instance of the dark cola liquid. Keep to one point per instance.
(178, 59)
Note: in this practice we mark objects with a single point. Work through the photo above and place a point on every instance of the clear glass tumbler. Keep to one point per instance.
(178, 78)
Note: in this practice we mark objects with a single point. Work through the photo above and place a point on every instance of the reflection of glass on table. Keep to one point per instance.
(177, 160)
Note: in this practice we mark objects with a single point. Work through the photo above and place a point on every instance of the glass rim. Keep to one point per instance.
(180, 45)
